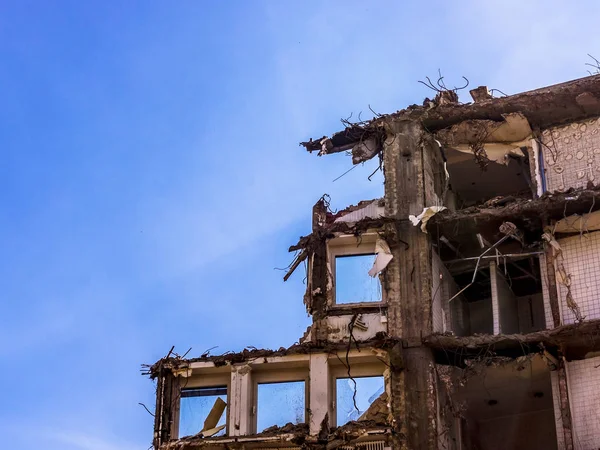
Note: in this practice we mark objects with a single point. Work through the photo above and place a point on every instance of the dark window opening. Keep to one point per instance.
(504, 296)
(470, 184)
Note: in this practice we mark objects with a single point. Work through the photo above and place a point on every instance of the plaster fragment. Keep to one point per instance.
(383, 258)
(424, 217)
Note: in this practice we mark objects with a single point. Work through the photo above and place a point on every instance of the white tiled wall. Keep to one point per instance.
(582, 261)
(583, 378)
(495, 305)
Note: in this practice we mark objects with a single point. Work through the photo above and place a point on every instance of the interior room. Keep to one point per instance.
(508, 406)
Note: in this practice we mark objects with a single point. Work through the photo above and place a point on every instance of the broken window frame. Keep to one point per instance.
(360, 367)
(279, 375)
(201, 381)
(205, 392)
(350, 245)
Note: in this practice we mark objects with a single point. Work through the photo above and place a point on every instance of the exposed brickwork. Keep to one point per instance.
(378, 411)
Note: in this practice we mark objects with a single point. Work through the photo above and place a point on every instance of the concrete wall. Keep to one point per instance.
(560, 437)
(459, 312)
(525, 431)
(583, 378)
(571, 155)
(447, 424)
(438, 286)
(338, 331)
(531, 313)
(504, 304)
(481, 319)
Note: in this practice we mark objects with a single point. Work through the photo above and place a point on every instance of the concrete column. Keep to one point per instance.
(566, 407)
(319, 399)
(411, 161)
(240, 401)
(167, 407)
(495, 300)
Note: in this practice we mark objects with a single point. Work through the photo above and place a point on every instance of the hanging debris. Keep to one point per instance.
(424, 217)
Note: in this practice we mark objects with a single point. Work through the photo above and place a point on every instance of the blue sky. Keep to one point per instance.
(151, 178)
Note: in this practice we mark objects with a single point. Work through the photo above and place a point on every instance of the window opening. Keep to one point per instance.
(470, 184)
(370, 391)
(353, 284)
(203, 410)
(280, 403)
(504, 295)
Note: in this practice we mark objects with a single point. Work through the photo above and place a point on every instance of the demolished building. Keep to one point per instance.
(460, 311)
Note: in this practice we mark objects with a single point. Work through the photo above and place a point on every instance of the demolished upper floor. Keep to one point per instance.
(542, 108)
(502, 184)
(494, 147)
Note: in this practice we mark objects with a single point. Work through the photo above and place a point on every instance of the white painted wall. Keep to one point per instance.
(239, 400)
(319, 400)
(504, 303)
(339, 330)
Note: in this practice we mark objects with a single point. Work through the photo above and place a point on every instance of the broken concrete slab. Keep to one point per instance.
(577, 224)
